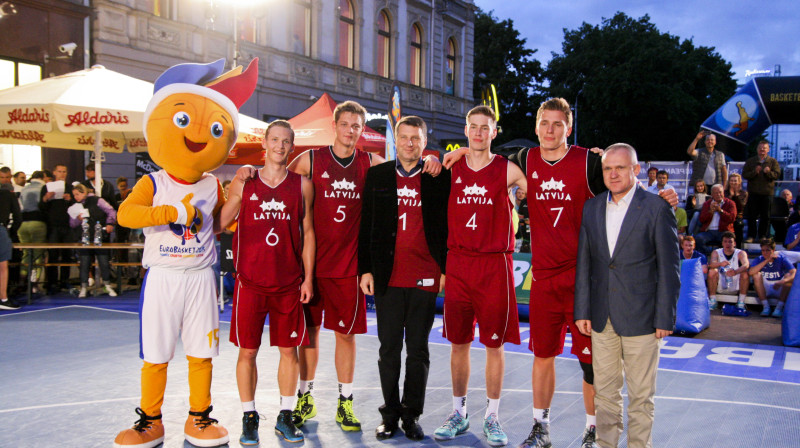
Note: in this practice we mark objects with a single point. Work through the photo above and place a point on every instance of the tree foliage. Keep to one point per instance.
(502, 59)
(639, 86)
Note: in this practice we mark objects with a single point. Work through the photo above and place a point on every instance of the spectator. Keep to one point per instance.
(680, 216)
(652, 173)
(779, 213)
(733, 191)
(523, 234)
(19, 181)
(58, 230)
(107, 192)
(792, 244)
(776, 277)
(708, 165)
(688, 252)
(727, 272)
(717, 216)
(787, 196)
(694, 203)
(226, 186)
(33, 228)
(794, 217)
(94, 210)
(9, 206)
(5, 179)
(662, 177)
(122, 191)
(761, 171)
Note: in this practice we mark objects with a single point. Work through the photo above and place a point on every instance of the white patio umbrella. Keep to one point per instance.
(95, 110)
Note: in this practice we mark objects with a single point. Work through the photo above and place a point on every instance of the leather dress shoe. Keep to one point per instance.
(412, 429)
(386, 430)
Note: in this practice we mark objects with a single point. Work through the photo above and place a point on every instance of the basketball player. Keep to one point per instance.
(338, 173)
(480, 283)
(561, 179)
(273, 251)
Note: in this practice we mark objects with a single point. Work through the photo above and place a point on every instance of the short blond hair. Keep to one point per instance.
(352, 107)
(557, 104)
(481, 110)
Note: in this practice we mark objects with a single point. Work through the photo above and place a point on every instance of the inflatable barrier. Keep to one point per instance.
(692, 315)
(790, 325)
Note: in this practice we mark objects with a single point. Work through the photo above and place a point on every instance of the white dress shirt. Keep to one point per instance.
(615, 214)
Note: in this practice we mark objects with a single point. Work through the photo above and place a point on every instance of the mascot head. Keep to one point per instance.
(192, 121)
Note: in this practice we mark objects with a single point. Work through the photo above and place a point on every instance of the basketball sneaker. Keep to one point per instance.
(493, 431)
(147, 432)
(539, 436)
(589, 439)
(304, 409)
(249, 429)
(345, 415)
(285, 428)
(454, 425)
(202, 430)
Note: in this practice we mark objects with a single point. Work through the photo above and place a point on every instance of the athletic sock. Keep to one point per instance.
(492, 407)
(460, 405)
(712, 297)
(345, 389)
(306, 386)
(591, 420)
(742, 298)
(249, 406)
(542, 415)
(287, 403)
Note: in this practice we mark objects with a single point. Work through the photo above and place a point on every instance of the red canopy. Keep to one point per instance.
(313, 129)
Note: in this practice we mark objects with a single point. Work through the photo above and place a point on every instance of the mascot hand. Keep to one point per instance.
(186, 211)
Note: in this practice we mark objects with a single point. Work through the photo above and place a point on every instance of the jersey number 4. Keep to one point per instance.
(471, 223)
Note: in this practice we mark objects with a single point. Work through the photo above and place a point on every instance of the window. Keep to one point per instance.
(384, 45)
(162, 8)
(450, 78)
(347, 39)
(415, 60)
(301, 27)
(19, 157)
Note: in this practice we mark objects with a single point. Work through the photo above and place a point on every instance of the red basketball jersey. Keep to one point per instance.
(556, 194)
(414, 267)
(268, 243)
(479, 210)
(337, 211)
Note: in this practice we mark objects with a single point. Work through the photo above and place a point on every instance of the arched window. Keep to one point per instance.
(301, 27)
(384, 45)
(347, 25)
(415, 53)
(450, 79)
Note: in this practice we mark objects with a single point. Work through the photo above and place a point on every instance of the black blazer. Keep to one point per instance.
(376, 240)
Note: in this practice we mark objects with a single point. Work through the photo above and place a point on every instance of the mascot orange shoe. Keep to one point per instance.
(191, 124)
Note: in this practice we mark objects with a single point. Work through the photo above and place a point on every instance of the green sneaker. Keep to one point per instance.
(304, 409)
(345, 415)
(454, 425)
(494, 432)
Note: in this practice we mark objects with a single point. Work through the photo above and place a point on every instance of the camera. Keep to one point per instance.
(68, 48)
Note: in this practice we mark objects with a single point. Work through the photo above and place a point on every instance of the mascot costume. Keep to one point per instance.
(191, 124)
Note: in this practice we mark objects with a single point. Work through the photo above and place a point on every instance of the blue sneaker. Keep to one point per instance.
(777, 313)
(765, 311)
(493, 431)
(454, 425)
(249, 429)
(712, 304)
(285, 428)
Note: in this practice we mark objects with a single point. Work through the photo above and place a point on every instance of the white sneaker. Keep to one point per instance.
(83, 292)
(91, 282)
(110, 290)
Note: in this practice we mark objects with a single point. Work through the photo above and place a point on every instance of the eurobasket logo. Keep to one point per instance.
(186, 233)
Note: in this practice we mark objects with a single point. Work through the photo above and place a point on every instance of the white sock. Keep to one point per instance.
(712, 297)
(542, 415)
(287, 403)
(742, 297)
(345, 389)
(305, 386)
(765, 303)
(460, 405)
(492, 407)
(591, 420)
(779, 306)
(248, 406)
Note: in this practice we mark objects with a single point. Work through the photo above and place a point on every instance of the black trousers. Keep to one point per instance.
(59, 235)
(758, 207)
(400, 311)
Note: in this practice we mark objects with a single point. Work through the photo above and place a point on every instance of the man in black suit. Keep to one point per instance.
(402, 248)
(626, 290)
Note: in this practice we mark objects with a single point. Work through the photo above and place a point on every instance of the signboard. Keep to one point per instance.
(145, 165)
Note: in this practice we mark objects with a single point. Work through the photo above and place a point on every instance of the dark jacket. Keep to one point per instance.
(763, 184)
(9, 212)
(376, 240)
(637, 286)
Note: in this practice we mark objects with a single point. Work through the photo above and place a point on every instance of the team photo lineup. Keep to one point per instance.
(315, 236)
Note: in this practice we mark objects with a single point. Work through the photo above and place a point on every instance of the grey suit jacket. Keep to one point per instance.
(637, 286)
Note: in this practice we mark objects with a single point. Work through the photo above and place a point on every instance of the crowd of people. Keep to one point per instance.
(45, 208)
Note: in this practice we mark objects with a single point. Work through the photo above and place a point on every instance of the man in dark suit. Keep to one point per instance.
(402, 249)
(626, 290)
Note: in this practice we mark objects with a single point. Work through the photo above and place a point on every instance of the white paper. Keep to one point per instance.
(56, 187)
(75, 210)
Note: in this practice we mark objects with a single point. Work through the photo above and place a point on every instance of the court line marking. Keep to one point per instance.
(325, 330)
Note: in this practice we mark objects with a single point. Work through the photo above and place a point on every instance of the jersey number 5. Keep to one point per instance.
(340, 211)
